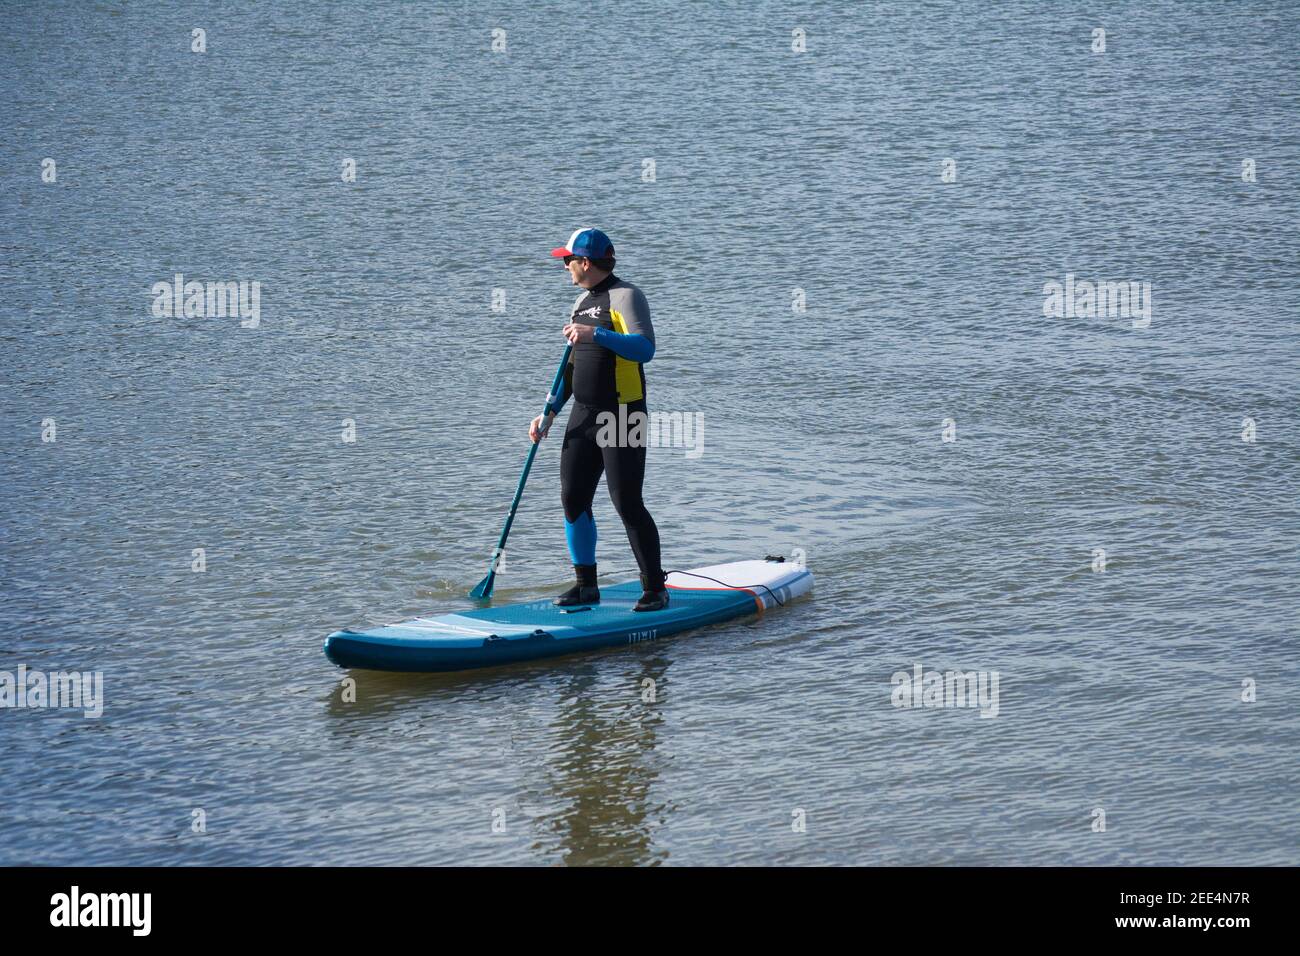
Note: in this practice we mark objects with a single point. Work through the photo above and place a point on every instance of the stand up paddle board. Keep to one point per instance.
(522, 632)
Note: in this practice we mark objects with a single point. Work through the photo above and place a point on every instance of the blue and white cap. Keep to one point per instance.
(589, 243)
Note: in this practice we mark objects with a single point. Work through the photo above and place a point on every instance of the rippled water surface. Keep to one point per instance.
(774, 170)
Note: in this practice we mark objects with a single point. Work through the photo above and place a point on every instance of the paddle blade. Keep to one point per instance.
(484, 588)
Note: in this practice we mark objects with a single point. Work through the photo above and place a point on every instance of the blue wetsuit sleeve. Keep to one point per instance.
(632, 346)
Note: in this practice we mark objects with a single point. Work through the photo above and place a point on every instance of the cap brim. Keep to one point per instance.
(561, 252)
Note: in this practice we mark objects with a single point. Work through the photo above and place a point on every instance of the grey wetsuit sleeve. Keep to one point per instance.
(629, 302)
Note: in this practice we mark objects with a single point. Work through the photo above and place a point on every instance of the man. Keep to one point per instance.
(612, 339)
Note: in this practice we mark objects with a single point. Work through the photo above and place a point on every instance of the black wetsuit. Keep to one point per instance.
(601, 376)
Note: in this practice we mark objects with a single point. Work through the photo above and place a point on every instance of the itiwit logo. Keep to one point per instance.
(1090, 300)
(946, 689)
(60, 689)
(210, 300)
(103, 909)
(655, 430)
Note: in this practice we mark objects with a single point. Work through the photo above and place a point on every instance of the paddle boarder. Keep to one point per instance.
(612, 338)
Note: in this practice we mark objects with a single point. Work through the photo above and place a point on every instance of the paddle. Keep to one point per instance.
(484, 587)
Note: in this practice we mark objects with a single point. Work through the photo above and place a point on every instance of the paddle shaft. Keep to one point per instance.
(528, 462)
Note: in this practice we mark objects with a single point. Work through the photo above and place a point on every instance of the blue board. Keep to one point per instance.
(519, 632)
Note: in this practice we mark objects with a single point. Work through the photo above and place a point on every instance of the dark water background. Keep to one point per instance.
(774, 170)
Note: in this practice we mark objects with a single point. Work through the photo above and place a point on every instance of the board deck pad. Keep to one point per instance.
(486, 637)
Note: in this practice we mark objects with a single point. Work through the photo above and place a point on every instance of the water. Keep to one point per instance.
(1119, 690)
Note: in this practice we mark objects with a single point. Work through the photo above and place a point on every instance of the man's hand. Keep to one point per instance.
(537, 429)
(576, 333)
